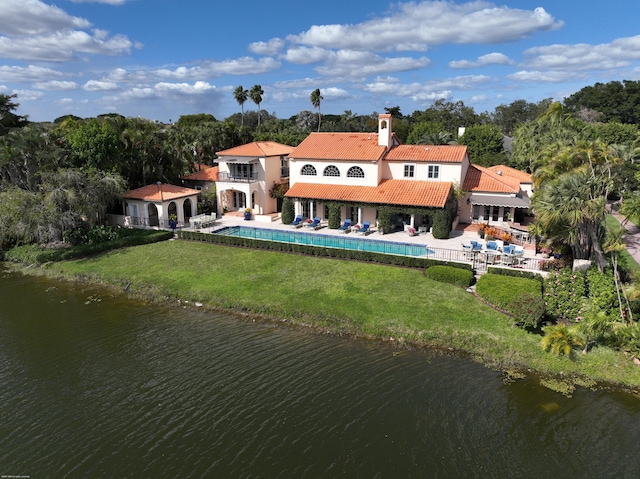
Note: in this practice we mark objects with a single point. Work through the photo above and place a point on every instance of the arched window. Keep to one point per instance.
(355, 172)
(308, 170)
(331, 170)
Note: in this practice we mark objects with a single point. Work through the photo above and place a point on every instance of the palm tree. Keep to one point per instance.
(256, 97)
(571, 209)
(315, 101)
(440, 138)
(560, 339)
(241, 95)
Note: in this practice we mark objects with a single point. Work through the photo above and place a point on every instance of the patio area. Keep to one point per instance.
(449, 249)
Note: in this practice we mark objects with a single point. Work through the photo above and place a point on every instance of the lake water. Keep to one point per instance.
(98, 386)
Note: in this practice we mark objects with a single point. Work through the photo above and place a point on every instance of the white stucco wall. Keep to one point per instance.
(370, 172)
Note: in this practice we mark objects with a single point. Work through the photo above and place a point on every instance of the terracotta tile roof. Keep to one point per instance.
(339, 146)
(523, 176)
(258, 149)
(206, 173)
(395, 192)
(428, 153)
(160, 192)
(482, 179)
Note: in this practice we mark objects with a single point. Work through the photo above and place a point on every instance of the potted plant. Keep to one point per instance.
(247, 214)
(481, 229)
(506, 237)
(490, 234)
(173, 221)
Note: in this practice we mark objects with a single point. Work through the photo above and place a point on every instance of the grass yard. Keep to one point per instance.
(340, 297)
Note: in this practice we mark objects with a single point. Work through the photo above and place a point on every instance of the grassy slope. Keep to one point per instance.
(340, 297)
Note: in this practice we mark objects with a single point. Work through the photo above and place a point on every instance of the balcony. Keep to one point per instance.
(238, 178)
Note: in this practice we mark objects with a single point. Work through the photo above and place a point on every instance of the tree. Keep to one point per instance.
(241, 95)
(8, 119)
(508, 117)
(618, 102)
(485, 144)
(570, 209)
(315, 98)
(255, 94)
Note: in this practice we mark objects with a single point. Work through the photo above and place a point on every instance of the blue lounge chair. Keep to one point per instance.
(365, 227)
(492, 245)
(475, 246)
(297, 221)
(345, 226)
(315, 223)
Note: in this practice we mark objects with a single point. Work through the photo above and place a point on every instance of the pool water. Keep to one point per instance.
(327, 241)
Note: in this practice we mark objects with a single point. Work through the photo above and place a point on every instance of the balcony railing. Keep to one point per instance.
(224, 176)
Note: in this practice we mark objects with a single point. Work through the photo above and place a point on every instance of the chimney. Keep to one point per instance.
(384, 130)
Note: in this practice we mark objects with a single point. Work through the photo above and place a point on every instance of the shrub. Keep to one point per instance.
(288, 211)
(451, 275)
(441, 224)
(602, 290)
(334, 216)
(560, 339)
(564, 294)
(501, 290)
(527, 310)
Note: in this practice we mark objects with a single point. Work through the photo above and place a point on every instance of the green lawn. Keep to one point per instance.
(340, 297)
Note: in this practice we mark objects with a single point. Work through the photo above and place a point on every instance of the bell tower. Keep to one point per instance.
(384, 130)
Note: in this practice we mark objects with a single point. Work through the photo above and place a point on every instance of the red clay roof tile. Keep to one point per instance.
(481, 179)
(339, 146)
(395, 192)
(428, 153)
(258, 149)
(160, 192)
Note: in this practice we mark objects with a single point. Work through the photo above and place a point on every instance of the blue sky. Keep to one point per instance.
(160, 59)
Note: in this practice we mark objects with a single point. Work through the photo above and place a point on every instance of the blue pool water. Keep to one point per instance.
(327, 241)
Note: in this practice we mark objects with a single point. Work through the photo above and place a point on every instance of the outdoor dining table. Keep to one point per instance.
(491, 255)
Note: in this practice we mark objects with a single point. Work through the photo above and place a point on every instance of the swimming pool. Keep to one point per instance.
(328, 241)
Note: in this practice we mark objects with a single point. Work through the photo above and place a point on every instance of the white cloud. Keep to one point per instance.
(28, 74)
(56, 85)
(583, 56)
(108, 2)
(28, 95)
(33, 17)
(307, 55)
(239, 66)
(484, 60)
(270, 48)
(33, 30)
(543, 76)
(417, 26)
(356, 64)
(94, 85)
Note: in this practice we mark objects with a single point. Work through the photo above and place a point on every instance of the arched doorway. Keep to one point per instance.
(152, 212)
(173, 209)
(187, 209)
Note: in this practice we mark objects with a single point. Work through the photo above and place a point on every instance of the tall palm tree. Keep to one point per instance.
(315, 98)
(256, 97)
(241, 95)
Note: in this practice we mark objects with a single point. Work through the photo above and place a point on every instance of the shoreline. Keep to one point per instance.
(344, 328)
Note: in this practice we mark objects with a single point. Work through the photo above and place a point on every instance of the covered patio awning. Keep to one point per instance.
(499, 200)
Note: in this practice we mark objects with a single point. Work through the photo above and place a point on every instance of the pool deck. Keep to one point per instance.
(463, 234)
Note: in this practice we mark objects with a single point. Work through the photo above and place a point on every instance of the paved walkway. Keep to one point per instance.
(631, 237)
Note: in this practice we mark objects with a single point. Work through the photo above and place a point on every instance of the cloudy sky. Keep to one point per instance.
(159, 59)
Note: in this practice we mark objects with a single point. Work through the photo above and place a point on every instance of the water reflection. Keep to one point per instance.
(99, 386)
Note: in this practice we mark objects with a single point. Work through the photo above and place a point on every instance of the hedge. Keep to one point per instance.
(448, 274)
(366, 256)
(501, 290)
(34, 254)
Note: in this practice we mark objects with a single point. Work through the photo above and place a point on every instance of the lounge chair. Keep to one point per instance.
(364, 229)
(297, 221)
(315, 223)
(475, 246)
(345, 226)
(492, 245)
